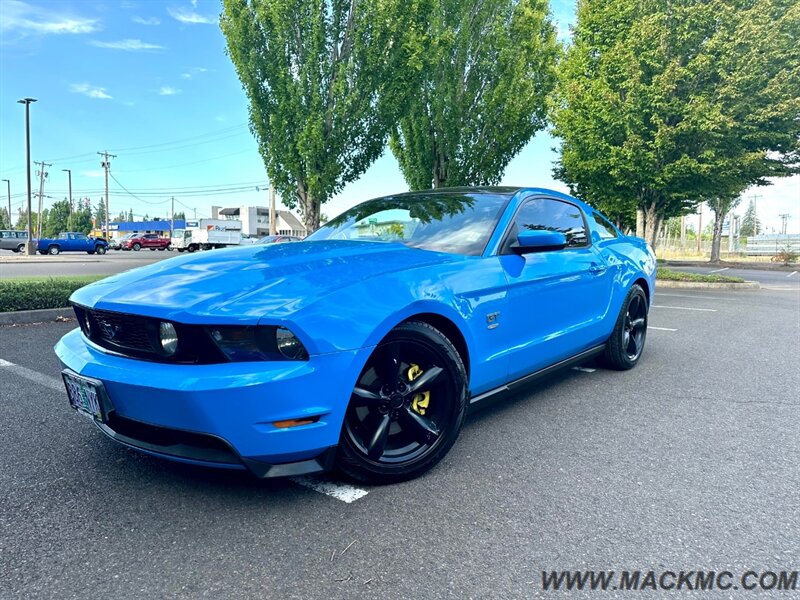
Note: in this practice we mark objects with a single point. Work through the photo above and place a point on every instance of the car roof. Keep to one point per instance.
(508, 191)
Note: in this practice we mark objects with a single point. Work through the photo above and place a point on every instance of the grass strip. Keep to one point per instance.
(670, 275)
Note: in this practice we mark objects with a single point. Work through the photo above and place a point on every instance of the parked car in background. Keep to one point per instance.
(365, 345)
(137, 241)
(116, 243)
(11, 239)
(248, 240)
(279, 239)
(72, 241)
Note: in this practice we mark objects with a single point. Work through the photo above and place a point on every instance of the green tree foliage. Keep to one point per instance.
(5, 218)
(662, 104)
(120, 217)
(325, 81)
(179, 215)
(100, 214)
(22, 221)
(490, 66)
(81, 217)
(750, 223)
(130, 214)
(57, 219)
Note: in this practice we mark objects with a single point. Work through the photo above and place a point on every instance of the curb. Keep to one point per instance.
(752, 266)
(21, 317)
(699, 285)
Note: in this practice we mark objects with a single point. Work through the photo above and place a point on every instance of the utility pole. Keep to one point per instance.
(699, 228)
(172, 218)
(273, 230)
(683, 232)
(8, 183)
(69, 175)
(784, 223)
(106, 166)
(42, 176)
(30, 247)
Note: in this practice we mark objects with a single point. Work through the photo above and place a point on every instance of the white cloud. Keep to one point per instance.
(146, 20)
(23, 19)
(194, 71)
(127, 45)
(186, 15)
(90, 90)
(168, 91)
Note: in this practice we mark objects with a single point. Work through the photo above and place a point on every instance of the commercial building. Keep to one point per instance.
(255, 220)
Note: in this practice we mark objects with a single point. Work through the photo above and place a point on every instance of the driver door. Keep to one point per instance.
(557, 298)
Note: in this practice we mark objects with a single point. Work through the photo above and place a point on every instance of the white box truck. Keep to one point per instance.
(205, 234)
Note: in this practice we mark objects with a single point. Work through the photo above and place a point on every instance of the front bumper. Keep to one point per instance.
(222, 415)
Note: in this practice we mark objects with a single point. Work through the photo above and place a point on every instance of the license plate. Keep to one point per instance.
(85, 395)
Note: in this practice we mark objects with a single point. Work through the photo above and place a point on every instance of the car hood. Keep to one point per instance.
(242, 285)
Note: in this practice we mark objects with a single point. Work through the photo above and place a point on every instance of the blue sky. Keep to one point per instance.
(150, 82)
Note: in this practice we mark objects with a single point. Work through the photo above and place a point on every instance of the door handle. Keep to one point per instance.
(597, 269)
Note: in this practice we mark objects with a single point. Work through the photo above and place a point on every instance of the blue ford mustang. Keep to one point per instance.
(363, 346)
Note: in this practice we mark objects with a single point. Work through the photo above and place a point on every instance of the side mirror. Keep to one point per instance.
(537, 240)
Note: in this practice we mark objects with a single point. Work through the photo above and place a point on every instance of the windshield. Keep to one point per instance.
(453, 222)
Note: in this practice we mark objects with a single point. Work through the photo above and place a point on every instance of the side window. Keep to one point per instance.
(81, 236)
(552, 215)
(606, 230)
(62, 236)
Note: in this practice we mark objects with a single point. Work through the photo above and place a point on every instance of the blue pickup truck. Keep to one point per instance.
(72, 242)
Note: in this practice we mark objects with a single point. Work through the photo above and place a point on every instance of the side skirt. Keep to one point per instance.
(487, 398)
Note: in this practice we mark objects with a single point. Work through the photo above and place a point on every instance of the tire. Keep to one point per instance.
(179, 249)
(399, 423)
(53, 250)
(100, 249)
(625, 346)
(191, 248)
(90, 252)
(20, 248)
(161, 249)
(152, 249)
(137, 246)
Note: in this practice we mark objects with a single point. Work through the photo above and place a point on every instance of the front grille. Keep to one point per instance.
(136, 336)
(122, 331)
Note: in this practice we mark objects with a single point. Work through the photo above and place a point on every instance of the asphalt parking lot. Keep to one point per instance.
(690, 461)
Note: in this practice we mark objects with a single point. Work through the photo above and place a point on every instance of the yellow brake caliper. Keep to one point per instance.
(419, 403)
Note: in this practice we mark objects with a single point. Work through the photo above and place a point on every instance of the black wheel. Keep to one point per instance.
(90, 252)
(100, 249)
(137, 246)
(625, 346)
(21, 248)
(192, 248)
(407, 408)
(53, 250)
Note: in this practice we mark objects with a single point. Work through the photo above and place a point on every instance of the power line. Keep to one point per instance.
(134, 195)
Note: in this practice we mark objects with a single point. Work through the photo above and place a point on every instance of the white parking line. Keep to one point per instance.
(334, 489)
(685, 308)
(792, 273)
(719, 270)
(35, 376)
(689, 296)
(660, 328)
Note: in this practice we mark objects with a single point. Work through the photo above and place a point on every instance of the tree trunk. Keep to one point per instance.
(719, 218)
(310, 208)
(652, 223)
(639, 223)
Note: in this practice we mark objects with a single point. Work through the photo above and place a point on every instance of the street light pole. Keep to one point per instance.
(29, 247)
(69, 175)
(8, 183)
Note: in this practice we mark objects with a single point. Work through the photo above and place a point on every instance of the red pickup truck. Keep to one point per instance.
(145, 240)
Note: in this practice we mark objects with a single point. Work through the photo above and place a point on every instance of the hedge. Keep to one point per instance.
(38, 293)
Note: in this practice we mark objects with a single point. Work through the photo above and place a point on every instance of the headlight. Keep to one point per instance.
(168, 338)
(289, 345)
(243, 344)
